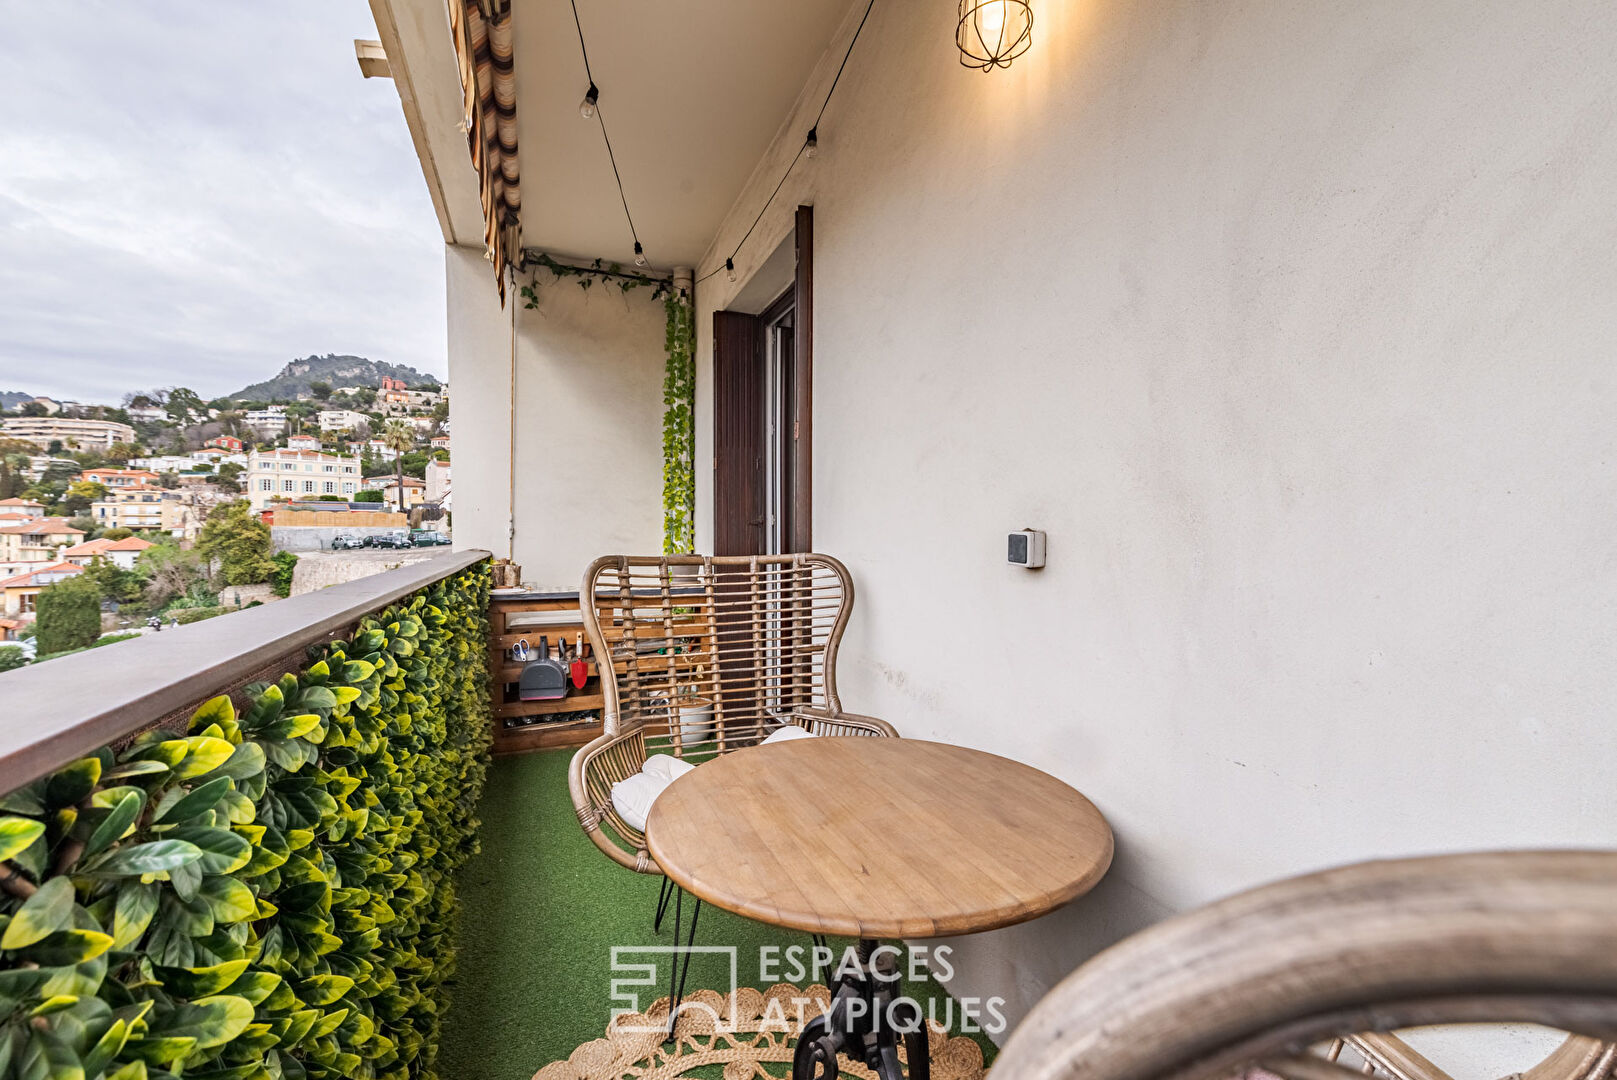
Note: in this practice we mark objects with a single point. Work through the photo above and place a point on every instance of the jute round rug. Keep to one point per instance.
(752, 1034)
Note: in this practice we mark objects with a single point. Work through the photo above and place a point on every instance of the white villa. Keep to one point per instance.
(298, 474)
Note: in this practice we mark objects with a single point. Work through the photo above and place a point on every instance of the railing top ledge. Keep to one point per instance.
(56, 712)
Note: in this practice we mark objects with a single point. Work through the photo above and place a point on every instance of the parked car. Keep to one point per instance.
(344, 541)
(428, 538)
(399, 538)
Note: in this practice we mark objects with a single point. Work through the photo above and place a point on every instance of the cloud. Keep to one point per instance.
(197, 193)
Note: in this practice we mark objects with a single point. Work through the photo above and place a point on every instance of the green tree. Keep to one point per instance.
(113, 581)
(321, 390)
(285, 563)
(230, 477)
(120, 533)
(415, 464)
(11, 481)
(368, 496)
(171, 573)
(182, 402)
(11, 657)
(69, 615)
(399, 437)
(80, 494)
(239, 541)
(119, 453)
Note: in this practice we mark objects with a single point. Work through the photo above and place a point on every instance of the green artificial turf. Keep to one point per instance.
(540, 910)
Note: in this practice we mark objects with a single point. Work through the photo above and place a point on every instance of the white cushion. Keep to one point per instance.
(787, 733)
(667, 766)
(632, 798)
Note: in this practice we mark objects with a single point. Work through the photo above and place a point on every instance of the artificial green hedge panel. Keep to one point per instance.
(270, 895)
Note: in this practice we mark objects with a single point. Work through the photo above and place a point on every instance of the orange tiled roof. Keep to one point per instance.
(89, 547)
(52, 526)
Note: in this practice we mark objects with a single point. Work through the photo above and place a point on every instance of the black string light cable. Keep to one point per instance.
(591, 107)
(811, 145)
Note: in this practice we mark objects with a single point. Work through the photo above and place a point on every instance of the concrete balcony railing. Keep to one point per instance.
(229, 849)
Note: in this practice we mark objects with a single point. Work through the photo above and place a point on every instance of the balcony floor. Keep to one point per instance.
(540, 910)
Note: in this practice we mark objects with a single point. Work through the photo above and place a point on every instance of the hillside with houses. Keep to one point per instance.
(166, 508)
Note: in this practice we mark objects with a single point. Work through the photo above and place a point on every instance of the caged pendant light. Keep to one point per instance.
(992, 33)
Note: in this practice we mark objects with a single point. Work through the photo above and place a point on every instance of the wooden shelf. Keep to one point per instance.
(504, 675)
(522, 740)
(510, 671)
(575, 702)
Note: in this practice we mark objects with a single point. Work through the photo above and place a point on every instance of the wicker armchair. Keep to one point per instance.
(701, 656)
(1247, 986)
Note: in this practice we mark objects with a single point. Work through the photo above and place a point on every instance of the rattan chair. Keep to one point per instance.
(701, 656)
(1272, 982)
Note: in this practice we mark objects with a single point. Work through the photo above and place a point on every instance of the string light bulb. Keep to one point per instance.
(586, 108)
(811, 145)
(730, 270)
(640, 255)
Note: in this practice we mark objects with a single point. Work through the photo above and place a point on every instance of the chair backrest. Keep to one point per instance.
(710, 653)
(1243, 986)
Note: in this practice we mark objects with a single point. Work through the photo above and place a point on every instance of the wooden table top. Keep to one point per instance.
(878, 838)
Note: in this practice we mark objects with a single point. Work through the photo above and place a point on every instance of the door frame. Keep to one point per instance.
(738, 482)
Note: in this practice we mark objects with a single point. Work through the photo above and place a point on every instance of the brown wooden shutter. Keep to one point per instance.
(800, 516)
(738, 470)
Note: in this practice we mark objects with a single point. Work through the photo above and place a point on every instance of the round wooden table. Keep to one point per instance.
(871, 838)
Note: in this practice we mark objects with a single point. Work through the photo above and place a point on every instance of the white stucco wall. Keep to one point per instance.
(589, 369)
(1292, 325)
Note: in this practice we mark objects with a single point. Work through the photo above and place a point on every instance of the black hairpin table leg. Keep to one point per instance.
(665, 893)
(681, 960)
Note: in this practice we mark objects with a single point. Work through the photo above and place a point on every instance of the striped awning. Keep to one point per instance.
(482, 32)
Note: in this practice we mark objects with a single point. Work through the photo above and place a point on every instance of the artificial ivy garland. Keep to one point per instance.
(679, 428)
(679, 385)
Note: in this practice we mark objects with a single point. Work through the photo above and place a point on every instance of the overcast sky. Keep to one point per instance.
(195, 193)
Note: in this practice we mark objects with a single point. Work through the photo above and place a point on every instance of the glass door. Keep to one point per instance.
(778, 416)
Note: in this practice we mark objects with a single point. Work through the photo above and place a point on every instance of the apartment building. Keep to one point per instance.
(68, 430)
(136, 507)
(38, 540)
(299, 474)
(415, 491)
(341, 419)
(437, 480)
(267, 422)
(116, 479)
(26, 508)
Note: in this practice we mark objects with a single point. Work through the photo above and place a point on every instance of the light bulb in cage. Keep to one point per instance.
(992, 33)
